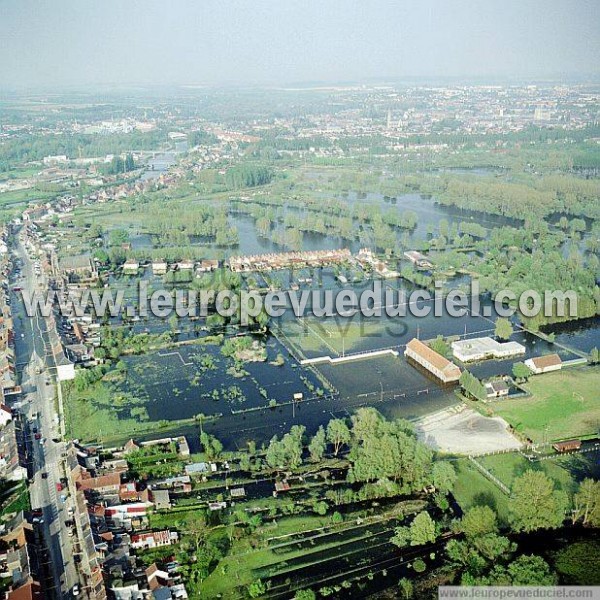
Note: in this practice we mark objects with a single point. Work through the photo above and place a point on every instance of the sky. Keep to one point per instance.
(216, 42)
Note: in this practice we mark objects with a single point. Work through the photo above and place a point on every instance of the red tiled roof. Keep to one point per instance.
(431, 356)
(29, 591)
(550, 360)
(94, 483)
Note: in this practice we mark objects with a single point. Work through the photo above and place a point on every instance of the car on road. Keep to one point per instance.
(38, 436)
(44, 475)
(76, 590)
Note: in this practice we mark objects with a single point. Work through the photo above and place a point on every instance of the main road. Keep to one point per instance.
(36, 368)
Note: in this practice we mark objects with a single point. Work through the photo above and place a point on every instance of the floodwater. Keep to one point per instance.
(171, 390)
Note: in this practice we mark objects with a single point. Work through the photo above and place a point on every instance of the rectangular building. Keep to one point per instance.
(435, 363)
(544, 364)
(483, 348)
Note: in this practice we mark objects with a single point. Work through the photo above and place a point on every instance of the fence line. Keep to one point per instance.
(489, 475)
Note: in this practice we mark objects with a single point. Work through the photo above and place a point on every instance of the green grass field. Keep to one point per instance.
(473, 489)
(507, 467)
(564, 404)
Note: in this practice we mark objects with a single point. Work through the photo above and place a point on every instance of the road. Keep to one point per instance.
(36, 369)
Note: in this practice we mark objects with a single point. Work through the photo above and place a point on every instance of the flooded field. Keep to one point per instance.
(181, 383)
(428, 213)
(172, 385)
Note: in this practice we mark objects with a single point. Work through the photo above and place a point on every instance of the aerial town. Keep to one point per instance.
(440, 429)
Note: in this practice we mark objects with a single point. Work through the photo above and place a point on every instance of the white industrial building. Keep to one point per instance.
(483, 348)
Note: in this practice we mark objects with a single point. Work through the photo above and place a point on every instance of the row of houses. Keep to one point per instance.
(20, 560)
(367, 259)
(20, 567)
(160, 267)
(11, 460)
(113, 520)
(8, 379)
(283, 260)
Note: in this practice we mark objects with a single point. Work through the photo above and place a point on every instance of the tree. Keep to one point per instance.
(391, 454)
(257, 589)
(320, 508)
(578, 563)
(536, 503)
(317, 445)
(482, 544)
(478, 521)
(419, 565)
(304, 595)
(525, 570)
(211, 445)
(338, 434)
(401, 537)
(129, 163)
(503, 328)
(287, 452)
(521, 371)
(406, 588)
(472, 386)
(443, 476)
(586, 503)
(422, 530)
(200, 417)
(440, 345)
(195, 526)
(367, 422)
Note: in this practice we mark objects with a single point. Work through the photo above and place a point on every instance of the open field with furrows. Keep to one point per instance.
(307, 551)
(564, 404)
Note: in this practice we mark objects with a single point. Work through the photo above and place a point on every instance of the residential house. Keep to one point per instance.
(544, 364)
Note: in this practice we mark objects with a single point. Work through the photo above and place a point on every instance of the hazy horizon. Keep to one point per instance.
(69, 43)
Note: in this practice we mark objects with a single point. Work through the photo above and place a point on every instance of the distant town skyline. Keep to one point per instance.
(276, 43)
